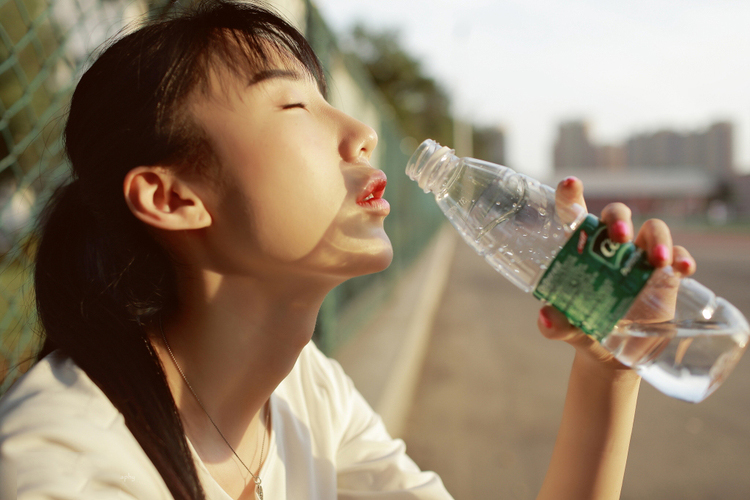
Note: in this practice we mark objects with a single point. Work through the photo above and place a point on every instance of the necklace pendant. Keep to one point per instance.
(259, 491)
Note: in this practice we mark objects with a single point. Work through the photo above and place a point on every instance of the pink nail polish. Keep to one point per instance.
(569, 181)
(661, 253)
(545, 320)
(683, 264)
(620, 230)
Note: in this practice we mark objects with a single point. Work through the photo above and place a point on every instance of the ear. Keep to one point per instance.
(158, 197)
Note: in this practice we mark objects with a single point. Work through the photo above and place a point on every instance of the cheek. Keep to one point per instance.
(293, 208)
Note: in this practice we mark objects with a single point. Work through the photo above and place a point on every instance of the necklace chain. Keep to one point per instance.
(256, 479)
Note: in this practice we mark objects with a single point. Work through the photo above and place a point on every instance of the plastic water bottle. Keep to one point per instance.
(673, 331)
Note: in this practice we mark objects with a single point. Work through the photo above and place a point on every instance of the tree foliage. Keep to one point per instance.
(421, 105)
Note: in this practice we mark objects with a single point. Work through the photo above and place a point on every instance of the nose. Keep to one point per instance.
(358, 140)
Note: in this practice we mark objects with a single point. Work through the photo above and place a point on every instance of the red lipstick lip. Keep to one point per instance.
(375, 186)
(371, 196)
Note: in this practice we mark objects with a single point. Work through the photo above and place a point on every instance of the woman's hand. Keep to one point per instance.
(654, 238)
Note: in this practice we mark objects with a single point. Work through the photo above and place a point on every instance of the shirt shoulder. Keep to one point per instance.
(55, 382)
(62, 437)
(318, 393)
(339, 426)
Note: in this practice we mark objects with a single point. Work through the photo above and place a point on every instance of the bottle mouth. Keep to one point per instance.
(424, 165)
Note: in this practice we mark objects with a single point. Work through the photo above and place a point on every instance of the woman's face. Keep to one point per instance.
(294, 180)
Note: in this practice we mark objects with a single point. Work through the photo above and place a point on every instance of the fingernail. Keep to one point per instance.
(683, 264)
(661, 253)
(545, 320)
(569, 181)
(620, 230)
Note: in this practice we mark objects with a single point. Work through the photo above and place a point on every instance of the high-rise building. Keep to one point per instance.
(709, 150)
(489, 144)
(573, 149)
(718, 147)
(610, 157)
(668, 173)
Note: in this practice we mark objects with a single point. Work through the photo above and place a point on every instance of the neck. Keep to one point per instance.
(235, 340)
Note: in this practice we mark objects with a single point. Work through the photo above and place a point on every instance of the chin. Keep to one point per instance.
(372, 261)
(383, 260)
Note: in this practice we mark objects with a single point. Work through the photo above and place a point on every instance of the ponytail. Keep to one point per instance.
(82, 299)
(100, 276)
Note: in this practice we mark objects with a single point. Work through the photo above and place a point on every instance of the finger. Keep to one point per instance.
(619, 223)
(655, 238)
(554, 325)
(569, 201)
(682, 261)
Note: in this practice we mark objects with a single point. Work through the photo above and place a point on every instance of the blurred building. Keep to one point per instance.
(740, 197)
(650, 192)
(666, 173)
(610, 157)
(489, 144)
(710, 150)
(573, 149)
(719, 149)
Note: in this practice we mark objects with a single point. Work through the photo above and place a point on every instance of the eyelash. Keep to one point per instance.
(295, 105)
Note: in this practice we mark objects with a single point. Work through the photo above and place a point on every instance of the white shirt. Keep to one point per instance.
(62, 438)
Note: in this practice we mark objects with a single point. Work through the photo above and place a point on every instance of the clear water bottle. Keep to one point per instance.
(673, 331)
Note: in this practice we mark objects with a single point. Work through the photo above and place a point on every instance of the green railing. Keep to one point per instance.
(413, 220)
(44, 47)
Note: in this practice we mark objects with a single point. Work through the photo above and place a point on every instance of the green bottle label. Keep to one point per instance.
(594, 280)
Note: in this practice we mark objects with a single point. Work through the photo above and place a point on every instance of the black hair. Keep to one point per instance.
(100, 276)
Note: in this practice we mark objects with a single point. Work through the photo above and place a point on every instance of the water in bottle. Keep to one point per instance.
(675, 332)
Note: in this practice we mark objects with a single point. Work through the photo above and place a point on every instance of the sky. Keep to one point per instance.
(624, 67)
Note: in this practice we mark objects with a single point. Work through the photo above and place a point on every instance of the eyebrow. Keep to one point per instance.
(269, 74)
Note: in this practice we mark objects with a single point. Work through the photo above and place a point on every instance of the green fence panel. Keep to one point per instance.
(44, 47)
(413, 220)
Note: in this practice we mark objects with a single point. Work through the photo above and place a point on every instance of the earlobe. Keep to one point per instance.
(158, 197)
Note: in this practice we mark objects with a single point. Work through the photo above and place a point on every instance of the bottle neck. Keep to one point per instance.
(434, 167)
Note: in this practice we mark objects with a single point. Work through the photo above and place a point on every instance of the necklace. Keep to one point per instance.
(256, 479)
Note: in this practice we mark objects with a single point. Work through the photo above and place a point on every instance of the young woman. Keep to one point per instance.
(216, 198)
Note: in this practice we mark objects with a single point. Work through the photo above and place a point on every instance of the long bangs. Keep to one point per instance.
(244, 39)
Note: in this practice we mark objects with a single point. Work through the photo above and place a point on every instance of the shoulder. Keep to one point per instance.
(342, 427)
(317, 380)
(63, 437)
(322, 397)
(315, 402)
(312, 362)
(54, 383)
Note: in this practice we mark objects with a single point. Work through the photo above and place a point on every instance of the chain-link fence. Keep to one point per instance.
(44, 47)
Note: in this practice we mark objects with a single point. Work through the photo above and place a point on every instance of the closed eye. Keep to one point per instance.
(294, 105)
